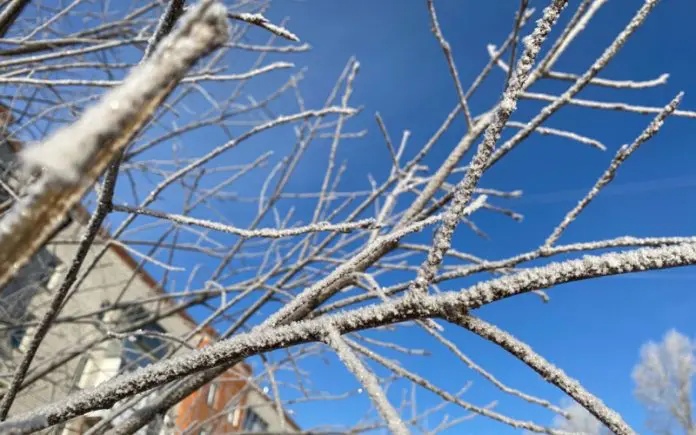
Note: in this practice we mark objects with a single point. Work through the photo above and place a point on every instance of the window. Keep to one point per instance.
(143, 350)
(212, 389)
(140, 350)
(8, 167)
(32, 278)
(17, 296)
(233, 417)
(16, 336)
(234, 412)
(254, 423)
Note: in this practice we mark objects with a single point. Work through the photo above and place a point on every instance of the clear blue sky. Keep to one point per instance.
(593, 330)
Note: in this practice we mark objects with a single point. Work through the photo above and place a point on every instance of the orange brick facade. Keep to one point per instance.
(224, 413)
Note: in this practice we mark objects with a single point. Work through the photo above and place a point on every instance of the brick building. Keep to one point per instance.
(230, 404)
(79, 354)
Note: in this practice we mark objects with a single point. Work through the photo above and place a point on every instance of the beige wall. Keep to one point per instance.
(108, 281)
(265, 408)
(92, 359)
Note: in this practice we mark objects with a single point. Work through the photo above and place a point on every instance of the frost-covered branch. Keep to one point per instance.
(72, 158)
(261, 21)
(367, 379)
(270, 233)
(264, 339)
(545, 369)
(608, 175)
(241, 198)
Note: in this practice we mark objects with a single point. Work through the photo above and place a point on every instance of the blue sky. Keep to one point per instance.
(593, 330)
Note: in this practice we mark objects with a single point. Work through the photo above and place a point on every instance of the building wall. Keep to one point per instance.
(222, 414)
(229, 410)
(96, 359)
(92, 359)
(265, 408)
(222, 406)
(82, 355)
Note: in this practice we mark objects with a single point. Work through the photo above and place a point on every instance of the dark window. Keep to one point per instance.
(254, 423)
(16, 336)
(17, 295)
(33, 277)
(140, 350)
(7, 169)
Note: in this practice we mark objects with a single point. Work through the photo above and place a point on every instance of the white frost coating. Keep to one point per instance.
(575, 31)
(562, 133)
(66, 153)
(624, 152)
(478, 164)
(368, 380)
(579, 84)
(305, 298)
(264, 339)
(271, 233)
(443, 239)
(547, 370)
(453, 398)
(262, 21)
(26, 426)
